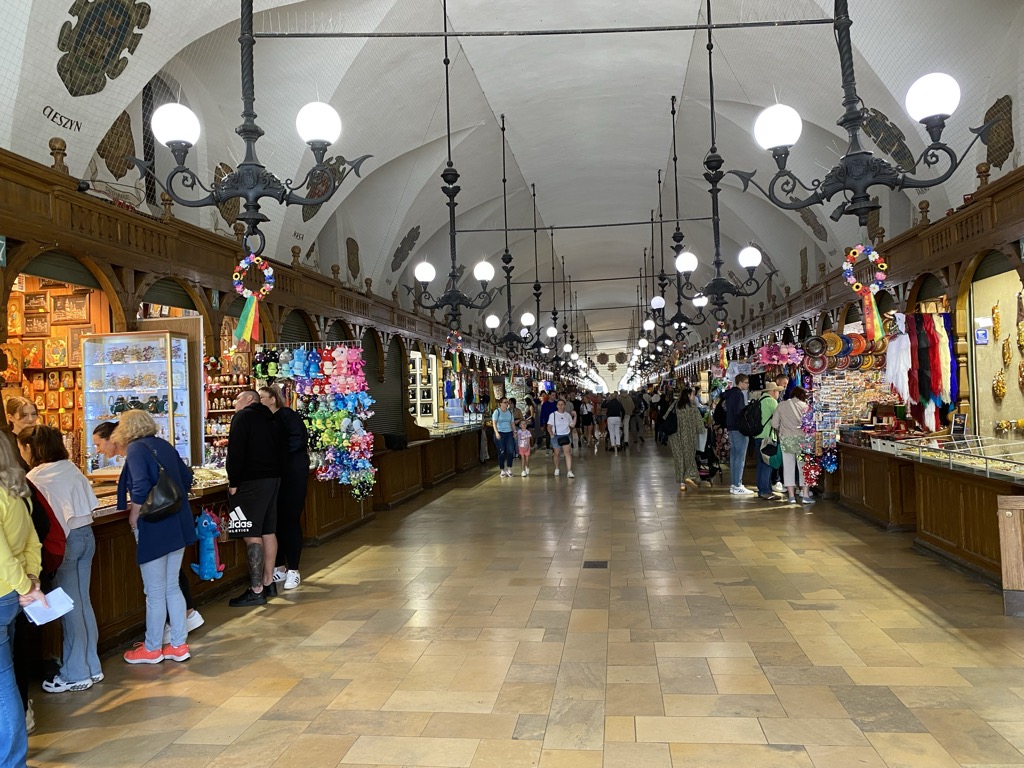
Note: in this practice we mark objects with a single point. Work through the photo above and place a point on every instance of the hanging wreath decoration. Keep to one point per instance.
(722, 340)
(867, 290)
(454, 341)
(249, 321)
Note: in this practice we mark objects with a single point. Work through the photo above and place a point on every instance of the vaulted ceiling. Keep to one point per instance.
(588, 123)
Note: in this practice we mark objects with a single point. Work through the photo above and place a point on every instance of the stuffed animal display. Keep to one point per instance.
(209, 567)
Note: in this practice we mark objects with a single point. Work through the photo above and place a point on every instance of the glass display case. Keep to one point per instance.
(987, 456)
(145, 371)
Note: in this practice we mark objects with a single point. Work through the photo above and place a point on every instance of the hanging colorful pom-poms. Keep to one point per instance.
(722, 340)
(454, 341)
(249, 321)
(867, 290)
(830, 461)
(812, 471)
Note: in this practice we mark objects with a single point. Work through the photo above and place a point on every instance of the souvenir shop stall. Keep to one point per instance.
(424, 388)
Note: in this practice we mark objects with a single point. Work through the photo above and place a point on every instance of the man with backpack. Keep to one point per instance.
(767, 403)
(734, 400)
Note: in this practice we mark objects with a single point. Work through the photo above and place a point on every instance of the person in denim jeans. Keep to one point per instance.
(19, 586)
(735, 400)
(769, 401)
(70, 496)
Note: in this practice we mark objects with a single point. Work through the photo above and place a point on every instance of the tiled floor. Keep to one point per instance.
(462, 630)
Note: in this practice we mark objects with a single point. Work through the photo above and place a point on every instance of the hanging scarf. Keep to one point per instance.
(954, 388)
(934, 359)
(897, 360)
(945, 357)
(913, 388)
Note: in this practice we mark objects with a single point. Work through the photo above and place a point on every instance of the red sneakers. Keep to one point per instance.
(139, 655)
(177, 652)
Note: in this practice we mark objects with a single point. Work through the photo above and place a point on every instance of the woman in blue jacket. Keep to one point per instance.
(161, 543)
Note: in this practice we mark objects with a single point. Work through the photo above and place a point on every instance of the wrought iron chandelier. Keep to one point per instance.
(931, 100)
(512, 343)
(718, 289)
(537, 349)
(453, 299)
(177, 127)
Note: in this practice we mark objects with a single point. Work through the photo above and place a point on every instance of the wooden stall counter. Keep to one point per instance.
(878, 487)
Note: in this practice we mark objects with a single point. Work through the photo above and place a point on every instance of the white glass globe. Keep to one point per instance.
(648, 325)
(425, 272)
(642, 343)
(318, 121)
(659, 348)
(686, 262)
(551, 331)
(778, 126)
(175, 122)
(544, 350)
(668, 342)
(567, 347)
(524, 332)
(750, 257)
(483, 272)
(933, 95)
(527, 319)
(492, 321)
(658, 302)
(700, 300)
(575, 355)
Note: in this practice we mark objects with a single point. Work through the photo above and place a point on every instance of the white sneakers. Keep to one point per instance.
(557, 471)
(570, 474)
(30, 719)
(739, 490)
(779, 488)
(292, 580)
(193, 620)
(525, 473)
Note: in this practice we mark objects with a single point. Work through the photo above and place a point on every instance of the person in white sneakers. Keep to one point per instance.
(560, 426)
(735, 399)
(503, 421)
(524, 438)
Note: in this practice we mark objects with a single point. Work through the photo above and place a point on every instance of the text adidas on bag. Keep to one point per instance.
(238, 522)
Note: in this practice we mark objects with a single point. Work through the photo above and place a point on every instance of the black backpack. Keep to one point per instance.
(750, 423)
(670, 424)
(718, 417)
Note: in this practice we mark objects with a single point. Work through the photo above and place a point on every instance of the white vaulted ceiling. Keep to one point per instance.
(587, 116)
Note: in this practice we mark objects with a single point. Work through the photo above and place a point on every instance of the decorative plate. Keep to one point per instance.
(880, 345)
(815, 364)
(860, 344)
(867, 362)
(880, 361)
(847, 346)
(814, 346)
(889, 326)
(832, 364)
(832, 343)
(855, 361)
(842, 363)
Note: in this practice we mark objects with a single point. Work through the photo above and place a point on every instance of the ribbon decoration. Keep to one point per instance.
(872, 318)
(249, 321)
(722, 339)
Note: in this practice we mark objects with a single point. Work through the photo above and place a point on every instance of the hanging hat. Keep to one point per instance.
(814, 346)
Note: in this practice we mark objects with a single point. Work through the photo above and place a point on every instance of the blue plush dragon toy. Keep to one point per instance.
(207, 531)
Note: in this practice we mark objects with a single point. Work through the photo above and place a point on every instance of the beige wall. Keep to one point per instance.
(985, 361)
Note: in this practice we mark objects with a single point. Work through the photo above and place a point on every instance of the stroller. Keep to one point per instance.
(707, 460)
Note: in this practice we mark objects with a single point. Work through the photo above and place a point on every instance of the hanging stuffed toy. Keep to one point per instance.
(209, 567)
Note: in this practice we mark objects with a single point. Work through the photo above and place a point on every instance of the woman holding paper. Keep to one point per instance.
(19, 586)
(71, 498)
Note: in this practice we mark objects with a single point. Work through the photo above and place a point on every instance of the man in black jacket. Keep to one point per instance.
(735, 401)
(254, 475)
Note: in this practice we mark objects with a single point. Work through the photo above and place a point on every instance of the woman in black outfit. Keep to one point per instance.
(291, 496)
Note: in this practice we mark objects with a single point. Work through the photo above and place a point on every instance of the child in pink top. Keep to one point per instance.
(523, 439)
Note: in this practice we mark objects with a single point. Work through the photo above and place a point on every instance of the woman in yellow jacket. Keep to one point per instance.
(19, 586)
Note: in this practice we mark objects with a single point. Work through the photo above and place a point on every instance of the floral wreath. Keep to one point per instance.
(454, 341)
(243, 269)
(881, 268)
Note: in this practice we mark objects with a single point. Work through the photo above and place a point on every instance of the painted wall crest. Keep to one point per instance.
(92, 47)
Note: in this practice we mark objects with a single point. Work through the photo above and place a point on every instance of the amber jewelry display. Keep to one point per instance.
(999, 386)
(997, 321)
(1007, 353)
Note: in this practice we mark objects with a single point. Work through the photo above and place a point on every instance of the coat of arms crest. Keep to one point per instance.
(92, 47)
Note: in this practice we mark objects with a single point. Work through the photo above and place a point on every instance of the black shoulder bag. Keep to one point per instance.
(164, 498)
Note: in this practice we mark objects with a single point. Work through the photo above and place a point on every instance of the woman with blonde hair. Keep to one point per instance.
(161, 542)
(71, 498)
(21, 413)
(19, 586)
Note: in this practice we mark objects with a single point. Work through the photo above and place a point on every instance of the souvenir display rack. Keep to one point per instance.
(144, 371)
(422, 390)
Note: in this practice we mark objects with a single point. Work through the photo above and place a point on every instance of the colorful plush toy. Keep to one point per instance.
(207, 531)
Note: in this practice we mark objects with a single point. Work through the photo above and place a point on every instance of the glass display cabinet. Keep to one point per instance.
(988, 456)
(146, 371)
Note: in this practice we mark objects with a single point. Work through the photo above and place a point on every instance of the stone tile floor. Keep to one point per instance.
(462, 630)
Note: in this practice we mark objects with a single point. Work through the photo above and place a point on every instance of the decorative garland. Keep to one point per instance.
(722, 340)
(249, 321)
(780, 354)
(454, 341)
(872, 319)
